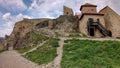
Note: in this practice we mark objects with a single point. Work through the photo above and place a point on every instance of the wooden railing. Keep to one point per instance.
(100, 27)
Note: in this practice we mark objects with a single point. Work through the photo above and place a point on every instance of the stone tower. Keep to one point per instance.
(92, 23)
(88, 8)
(67, 11)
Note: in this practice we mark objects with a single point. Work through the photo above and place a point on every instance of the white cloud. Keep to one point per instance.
(13, 5)
(46, 8)
(7, 27)
(54, 8)
(115, 4)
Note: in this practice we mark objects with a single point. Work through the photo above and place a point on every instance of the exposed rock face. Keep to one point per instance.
(61, 25)
(24, 30)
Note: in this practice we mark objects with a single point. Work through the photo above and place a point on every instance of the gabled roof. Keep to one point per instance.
(104, 9)
(107, 9)
(87, 5)
(100, 14)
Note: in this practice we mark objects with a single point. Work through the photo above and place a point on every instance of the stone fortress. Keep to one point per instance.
(105, 23)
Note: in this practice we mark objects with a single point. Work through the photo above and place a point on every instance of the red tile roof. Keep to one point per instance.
(89, 14)
(87, 5)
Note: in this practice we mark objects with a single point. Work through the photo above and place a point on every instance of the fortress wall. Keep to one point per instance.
(83, 24)
(112, 20)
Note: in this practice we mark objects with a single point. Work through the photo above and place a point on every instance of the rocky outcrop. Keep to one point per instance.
(63, 24)
(26, 32)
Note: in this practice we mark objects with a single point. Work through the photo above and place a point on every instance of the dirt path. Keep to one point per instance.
(56, 62)
(98, 39)
(12, 59)
(59, 52)
(35, 47)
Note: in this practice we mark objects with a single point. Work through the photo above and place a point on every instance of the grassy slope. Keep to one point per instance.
(45, 53)
(91, 54)
(37, 38)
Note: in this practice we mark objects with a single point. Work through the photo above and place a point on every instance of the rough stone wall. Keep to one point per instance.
(112, 20)
(68, 11)
(83, 24)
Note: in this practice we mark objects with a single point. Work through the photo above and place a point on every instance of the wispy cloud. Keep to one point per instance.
(46, 8)
(54, 8)
(13, 5)
(9, 22)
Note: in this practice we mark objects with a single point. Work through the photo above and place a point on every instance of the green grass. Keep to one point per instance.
(75, 35)
(91, 54)
(1, 50)
(23, 50)
(38, 38)
(45, 53)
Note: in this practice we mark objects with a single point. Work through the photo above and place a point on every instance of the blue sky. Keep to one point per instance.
(12, 11)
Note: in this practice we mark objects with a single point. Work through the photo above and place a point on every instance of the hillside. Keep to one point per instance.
(76, 53)
(22, 34)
